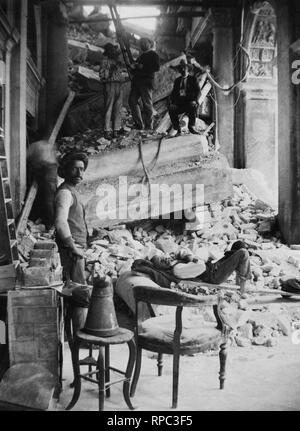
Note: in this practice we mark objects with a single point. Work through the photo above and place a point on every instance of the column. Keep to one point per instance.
(57, 61)
(288, 124)
(18, 114)
(223, 71)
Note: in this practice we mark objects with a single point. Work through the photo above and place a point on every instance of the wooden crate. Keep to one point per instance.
(34, 329)
(8, 277)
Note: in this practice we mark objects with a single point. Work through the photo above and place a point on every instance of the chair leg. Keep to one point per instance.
(90, 367)
(77, 379)
(176, 358)
(137, 371)
(160, 363)
(223, 357)
(128, 373)
(101, 378)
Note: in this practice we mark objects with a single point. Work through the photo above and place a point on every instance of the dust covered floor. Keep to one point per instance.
(258, 379)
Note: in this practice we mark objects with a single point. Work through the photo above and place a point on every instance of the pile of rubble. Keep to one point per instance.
(92, 141)
(243, 217)
(87, 33)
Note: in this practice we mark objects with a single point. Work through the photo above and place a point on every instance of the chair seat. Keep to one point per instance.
(157, 333)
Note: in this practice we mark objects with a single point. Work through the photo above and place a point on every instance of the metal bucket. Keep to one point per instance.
(101, 319)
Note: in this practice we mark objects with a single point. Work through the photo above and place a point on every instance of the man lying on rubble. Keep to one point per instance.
(184, 98)
(71, 230)
(164, 270)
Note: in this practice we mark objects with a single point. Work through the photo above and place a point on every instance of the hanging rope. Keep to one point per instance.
(229, 89)
(240, 48)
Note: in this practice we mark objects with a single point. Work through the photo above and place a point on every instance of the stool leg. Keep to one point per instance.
(68, 329)
(137, 370)
(101, 377)
(107, 370)
(77, 379)
(128, 373)
(90, 367)
(160, 363)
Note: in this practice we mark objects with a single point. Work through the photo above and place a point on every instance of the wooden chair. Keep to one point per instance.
(159, 335)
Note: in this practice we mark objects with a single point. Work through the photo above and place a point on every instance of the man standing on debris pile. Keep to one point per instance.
(112, 73)
(184, 98)
(142, 85)
(71, 230)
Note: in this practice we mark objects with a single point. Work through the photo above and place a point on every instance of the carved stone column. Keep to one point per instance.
(223, 71)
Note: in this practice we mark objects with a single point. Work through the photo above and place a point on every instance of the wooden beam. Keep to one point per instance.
(27, 208)
(61, 117)
(141, 3)
(162, 15)
(34, 186)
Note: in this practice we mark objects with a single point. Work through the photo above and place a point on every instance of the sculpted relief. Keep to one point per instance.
(263, 43)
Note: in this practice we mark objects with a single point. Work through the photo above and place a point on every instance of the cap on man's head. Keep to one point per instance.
(69, 158)
(145, 43)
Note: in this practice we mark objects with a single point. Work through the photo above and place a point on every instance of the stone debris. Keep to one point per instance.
(112, 252)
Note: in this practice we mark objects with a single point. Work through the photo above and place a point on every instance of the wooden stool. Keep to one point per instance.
(102, 371)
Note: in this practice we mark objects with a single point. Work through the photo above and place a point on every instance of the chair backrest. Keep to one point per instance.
(162, 296)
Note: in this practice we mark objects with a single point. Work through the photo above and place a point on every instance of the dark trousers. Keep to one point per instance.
(113, 92)
(73, 270)
(73, 267)
(141, 91)
(219, 271)
(186, 108)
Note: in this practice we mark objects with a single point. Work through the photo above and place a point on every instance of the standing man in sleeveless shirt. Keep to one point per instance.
(71, 228)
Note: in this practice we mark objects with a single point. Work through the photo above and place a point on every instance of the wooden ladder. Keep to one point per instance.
(8, 244)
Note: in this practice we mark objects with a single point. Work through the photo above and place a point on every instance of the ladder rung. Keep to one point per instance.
(2, 157)
(4, 178)
(13, 242)
(10, 221)
(6, 200)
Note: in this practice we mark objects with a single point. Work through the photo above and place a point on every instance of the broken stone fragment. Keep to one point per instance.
(267, 267)
(262, 331)
(168, 246)
(259, 341)
(271, 342)
(265, 319)
(260, 205)
(294, 261)
(246, 331)
(267, 246)
(284, 324)
(265, 226)
(242, 341)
